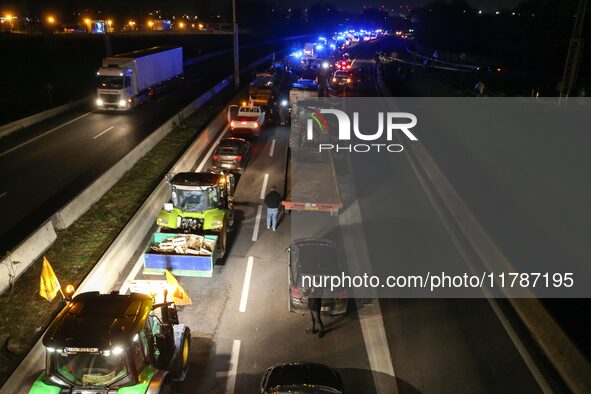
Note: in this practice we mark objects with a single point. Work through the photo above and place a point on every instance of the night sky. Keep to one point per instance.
(345, 5)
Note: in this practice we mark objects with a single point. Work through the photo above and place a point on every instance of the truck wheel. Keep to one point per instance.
(181, 365)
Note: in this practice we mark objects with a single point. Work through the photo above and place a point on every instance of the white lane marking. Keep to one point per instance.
(246, 285)
(206, 158)
(264, 188)
(231, 381)
(44, 134)
(255, 232)
(521, 349)
(376, 345)
(161, 99)
(272, 148)
(370, 316)
(132, 274)
(103, 132)
(3, 194)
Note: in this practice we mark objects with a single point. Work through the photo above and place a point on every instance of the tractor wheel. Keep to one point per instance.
(166, 387)
(181, 367)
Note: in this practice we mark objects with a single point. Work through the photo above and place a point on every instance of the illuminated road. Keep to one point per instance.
(240, 323)
(46, 165)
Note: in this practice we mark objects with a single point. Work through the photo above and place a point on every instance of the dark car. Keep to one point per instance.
(341, 79)
(231, 154)
(309, 378)
(310, 258)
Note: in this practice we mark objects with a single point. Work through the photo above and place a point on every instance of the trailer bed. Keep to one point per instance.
(313, 183)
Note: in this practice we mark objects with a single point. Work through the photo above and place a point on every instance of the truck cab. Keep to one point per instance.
(116, 87)
(114, 343)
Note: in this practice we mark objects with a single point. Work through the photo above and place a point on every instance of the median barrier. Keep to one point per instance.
(106, 273)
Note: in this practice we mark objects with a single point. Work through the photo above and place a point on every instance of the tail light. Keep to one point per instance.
(239, 157)
(232, 123)
(348, 80)
(296, 293)
(256, 125)
(334, 79)
(215, 157)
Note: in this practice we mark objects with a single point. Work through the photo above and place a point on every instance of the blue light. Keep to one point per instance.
(319, 47)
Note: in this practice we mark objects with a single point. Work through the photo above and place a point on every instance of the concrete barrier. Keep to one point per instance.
(82, 202)
(566, 358)
(107, 272)
(11, 127)
(27, 252)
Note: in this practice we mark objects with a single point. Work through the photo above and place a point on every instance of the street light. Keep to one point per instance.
(236, 64)
(181, 25)
(51, 19)
(150, 24)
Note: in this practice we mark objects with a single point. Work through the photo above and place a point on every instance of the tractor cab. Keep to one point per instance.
(103, 343)
(201, 204)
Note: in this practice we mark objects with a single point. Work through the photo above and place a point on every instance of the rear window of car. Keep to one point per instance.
(246, 118)
(226, 150)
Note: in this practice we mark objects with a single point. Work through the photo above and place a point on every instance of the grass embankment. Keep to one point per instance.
(24, 315)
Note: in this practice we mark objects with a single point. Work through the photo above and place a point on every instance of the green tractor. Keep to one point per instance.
(201, 203)
(114, 344)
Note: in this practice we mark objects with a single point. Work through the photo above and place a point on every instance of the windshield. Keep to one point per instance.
(110, 82)
(195, 200)
(89, 369)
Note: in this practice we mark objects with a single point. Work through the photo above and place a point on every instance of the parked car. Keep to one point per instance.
(311, 257)
(231, 154)
(309, 378)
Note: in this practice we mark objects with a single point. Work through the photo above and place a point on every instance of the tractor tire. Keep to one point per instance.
(180, 367)
(166, 388)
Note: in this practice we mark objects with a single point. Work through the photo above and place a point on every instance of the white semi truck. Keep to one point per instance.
(130, 79)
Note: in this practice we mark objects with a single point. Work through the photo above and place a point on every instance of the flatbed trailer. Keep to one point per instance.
(313, 183)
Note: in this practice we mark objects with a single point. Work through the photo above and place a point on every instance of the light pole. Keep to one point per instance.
(236, 60)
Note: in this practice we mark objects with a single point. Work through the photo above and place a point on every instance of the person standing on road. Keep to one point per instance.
(273, 201)
(315, 306)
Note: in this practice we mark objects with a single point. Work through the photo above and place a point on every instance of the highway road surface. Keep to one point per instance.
(239, 318)
(47, 164)
(241, 325)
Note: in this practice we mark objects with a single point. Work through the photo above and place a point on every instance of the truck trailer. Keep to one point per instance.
(130, 79)
(313, 184)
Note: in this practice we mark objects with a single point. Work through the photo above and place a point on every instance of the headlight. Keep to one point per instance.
(99, 102)
(122, 103)
(162, 221)
(284, 103)
(216, 224)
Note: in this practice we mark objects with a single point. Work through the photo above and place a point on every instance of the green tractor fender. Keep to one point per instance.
(215, 219)
(40, 387)
(168, 219)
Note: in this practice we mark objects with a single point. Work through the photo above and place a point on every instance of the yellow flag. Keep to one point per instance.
(48, 284)
(179, 295)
